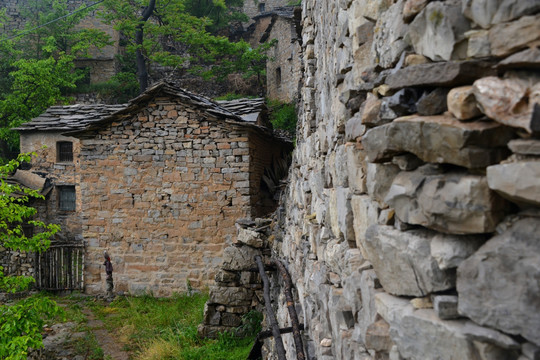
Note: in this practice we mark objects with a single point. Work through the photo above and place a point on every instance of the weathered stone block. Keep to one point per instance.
(439, 139)
(450, 251)
(506, 38)
(403, 262)
(420, 334)
(433, 103)
(388, 42)
(507, 101)
(437, 31)
(525, 146)
(483, 334)
(450, 73)
(356, 166)
(365, 213)
(517, 181)
(446, 306)
(488, 12)
(462, 103)
(250, 238)
(453, 202)
(498, 286)
(230, 296)
(237, 258)
(378, 336)
(379, 180)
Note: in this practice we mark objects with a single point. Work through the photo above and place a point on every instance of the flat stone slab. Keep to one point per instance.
(439, 139)
(525, 146)
(450, 73)
(420, 334)
(403, 262)
(498, 286)
(452, 202)
(518, 182)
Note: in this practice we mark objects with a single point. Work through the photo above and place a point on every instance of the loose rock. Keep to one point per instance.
(498, 286)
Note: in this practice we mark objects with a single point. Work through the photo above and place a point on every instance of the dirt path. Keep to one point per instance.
(111, 349)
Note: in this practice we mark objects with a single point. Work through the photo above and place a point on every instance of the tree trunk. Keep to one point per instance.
(142, 73)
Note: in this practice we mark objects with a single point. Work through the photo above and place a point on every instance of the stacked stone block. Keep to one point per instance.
(412, 209)
(238, 288)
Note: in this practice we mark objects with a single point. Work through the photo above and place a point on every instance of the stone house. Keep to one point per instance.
(158, 183)
(252, 8)
(284, 69)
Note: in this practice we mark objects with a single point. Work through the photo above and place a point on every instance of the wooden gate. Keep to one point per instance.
(61, 267)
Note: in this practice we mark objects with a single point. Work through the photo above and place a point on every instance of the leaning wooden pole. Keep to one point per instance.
(292, 310)
(269, 311)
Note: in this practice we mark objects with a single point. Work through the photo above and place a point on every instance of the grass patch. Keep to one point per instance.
(166, 328)
(86, 345)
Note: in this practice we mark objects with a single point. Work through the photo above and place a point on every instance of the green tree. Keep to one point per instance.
(21, 322)
(171, 34)
(37, 63)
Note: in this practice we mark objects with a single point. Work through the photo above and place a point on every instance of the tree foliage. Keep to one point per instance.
(21, 322)
(179, 35)
(37, 62)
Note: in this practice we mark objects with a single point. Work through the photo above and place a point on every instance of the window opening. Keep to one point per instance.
(66, 195)
(64, 151)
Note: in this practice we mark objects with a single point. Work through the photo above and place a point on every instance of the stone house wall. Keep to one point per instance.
(252, 7)
(411, 218)
(60, 174)
(284, 70)
(171, 184)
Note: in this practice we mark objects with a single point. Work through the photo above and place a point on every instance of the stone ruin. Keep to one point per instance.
(410, 223)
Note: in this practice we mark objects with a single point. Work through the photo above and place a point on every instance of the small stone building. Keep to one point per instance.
(158, 183)
(284, 69)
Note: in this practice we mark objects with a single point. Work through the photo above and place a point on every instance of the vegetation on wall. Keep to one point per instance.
(21, 322)
(283, 116)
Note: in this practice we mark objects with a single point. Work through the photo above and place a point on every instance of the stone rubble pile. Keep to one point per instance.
(412, 214)
(238, 288)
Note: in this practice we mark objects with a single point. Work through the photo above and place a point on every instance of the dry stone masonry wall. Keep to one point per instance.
(412, 221)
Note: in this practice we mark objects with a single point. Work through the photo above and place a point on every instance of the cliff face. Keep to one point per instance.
(411, 215)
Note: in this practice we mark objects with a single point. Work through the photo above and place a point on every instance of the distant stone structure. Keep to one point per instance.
(284, 69)
(101, 63)
(158, 182)
(252, 8)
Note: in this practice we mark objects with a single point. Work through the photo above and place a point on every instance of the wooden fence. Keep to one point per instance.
(61, 267)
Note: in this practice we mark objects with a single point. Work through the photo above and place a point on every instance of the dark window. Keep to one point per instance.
(28, 230)
(261, 7)
(278, 76)
(66, 198)
(64, 151)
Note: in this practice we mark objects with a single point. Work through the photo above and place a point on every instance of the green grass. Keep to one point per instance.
(87, 345)
(153, 328)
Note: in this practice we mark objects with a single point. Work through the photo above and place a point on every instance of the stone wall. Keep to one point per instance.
(284, 70)
(172, 180)
(411, 216)
(60, 174)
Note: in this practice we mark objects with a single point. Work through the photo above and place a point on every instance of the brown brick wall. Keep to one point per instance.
(171, 184)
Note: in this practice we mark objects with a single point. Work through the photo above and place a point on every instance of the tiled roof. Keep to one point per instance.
(81, 117)
(71, 117)
(247, 109)
(283, 11)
